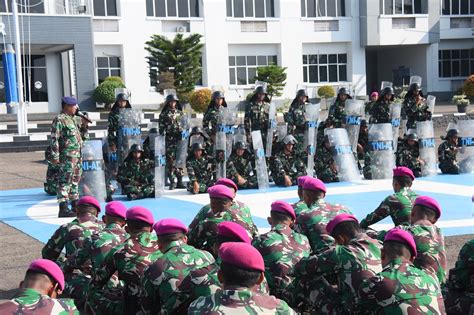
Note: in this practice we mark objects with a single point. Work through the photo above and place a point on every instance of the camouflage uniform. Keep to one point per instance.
(113, 126)
(398, 206)
(170, 126)
(296, 120)
(363, 141)
(136, 178)
(30, 301)
(350, 264)
(72, 236)
(313, 220)
(408, 156)
(243, 166)
(459, 289)
(162, 281)
(209, 120)
(337, 113)
(281, 249)
(51, 183)
(129, 259)
(199, 170)
(256, 118)
(380, 112)
(368, 106)
(323, 160)
(299, 207)
(66, 142)
(447, 158)
(239, 300)
(400, 288)
(414, 112)
(286, 164)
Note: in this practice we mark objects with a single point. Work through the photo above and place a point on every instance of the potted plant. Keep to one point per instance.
(461, 101)
(105, 92)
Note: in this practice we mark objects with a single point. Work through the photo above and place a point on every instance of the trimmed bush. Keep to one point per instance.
(326, 91)
(199, 99)
(105, 92)
(468, 87)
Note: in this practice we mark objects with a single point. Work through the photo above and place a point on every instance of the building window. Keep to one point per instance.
(250, 8)
(458, 7)
(455, 63)
(172, 8)
(32, 6)
(394, 7)
(105, 8)
(321, 8)
(243, 69)
(107, 67)
(325, 68)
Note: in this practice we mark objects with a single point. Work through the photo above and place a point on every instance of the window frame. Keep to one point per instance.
(413, 6)
(244, 17)
(320, 64)
(325, 16)
(470, 8)
(451, 61)
(107, 15)
(108, 68)
(176, 17)
(268, 59)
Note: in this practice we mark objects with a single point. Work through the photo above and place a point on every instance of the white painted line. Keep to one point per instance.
(38, 137)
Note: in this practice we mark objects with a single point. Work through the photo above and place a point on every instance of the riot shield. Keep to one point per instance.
(382, 158)
(353, 109)
(93, 177)
(282, 130)
(230, 120)
(129, 132)
(221, 143)
(426, 142)
(260, 161)
(416, 79)
(385, 84)
(311, 117)
(111, 165)
(395, 113)
(240, 135)
(431, 101)
(160, 165)
(272, 123)
(466, 146)
(182, 149)
(342, 153)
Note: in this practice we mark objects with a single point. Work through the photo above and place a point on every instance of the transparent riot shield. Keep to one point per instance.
(221, 143)
(395, 113)
(230, 120)
(272, 123)
(354, 110)
(282, 130)
(385, 84)
(111, 160)
(431, 101)
(382, 158)
(182, 149)
(466, 146)
(311, 116)
(426, 142)
(342, 152)
(260, 161)
(160, 165)
(416, 79)
(129, 132)
(240, 135)
(93, 176)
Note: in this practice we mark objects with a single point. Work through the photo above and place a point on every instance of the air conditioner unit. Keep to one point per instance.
(180, 29)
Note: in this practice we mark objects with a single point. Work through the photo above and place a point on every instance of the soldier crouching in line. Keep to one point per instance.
(325, 165)
(286, 166)
(135, 175)
(240, 166)
(408, 154)
(447, 152)
(199, 171)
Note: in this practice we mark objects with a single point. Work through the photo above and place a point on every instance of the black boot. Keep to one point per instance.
(172, 183)
(180, 184)
(64, 211)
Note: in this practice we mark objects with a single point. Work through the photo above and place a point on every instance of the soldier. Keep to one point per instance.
(199, 171)
(380, 112)
(240, 167)
(398, 205)
(296, 120)
(363, 141)
(51, 183)
(459, 290)
(313, 220)
(300, 205)
(400, 287)
(43, 282)
(327, 124)
(408, 154)
(256, 114)
(355, 257)
(147, 145)
(72, 236)
(241, 270)
(211, 115)
(324, 163)
(281, 248)
(66, 142)
(374, 96)
(337, 110)
(130, 259)
(203, 231)
(170, 126)
(136, 176)
(207, 142)
(415, 107)
(286, 166)
(447, 152)
(121, 101)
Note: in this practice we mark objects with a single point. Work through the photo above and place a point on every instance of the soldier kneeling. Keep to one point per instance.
(447, 152)
(240, 167)
(287, 166)
(199, 172)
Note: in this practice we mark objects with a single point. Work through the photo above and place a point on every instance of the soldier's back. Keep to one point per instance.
(103, 242)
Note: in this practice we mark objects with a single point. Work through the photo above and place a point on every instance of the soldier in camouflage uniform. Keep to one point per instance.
(256, 114)
(380, 112)
(459, 290)
(211, 115)
(121, 102)
(312, 220)
(324, 163)
(400, 288)
(130, 259)
(300, 205)
(147, 145)
(207, 141)
(51, 183)
(242, 269)
(408, 154)
(136, 175)
(398, 206)
(355, 257)
(363, 140)
(296, 120)
(327, 124)
(66, 142)
(162, 281)
(43, 282)
(414, 107)
(337, 110)
(374, 96)
(447, 152)
(281, 248)
(198, 165)
(170, 126)
(72, 236)
(286, 166)
(240, 165)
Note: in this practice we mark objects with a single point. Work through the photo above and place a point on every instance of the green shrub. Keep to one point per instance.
(115, 79)
(105, 92)
(326, 91)
(199, 99)
(468, 87)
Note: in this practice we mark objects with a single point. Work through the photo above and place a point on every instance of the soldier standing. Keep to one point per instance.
(66, 143)
(240, 167)
(447, 152)
(286, 166)
(408, 154)
(51, 183)
(199, 169)
(414, 106)
(121, 101)
(324, 163)
(380, 111)
(337, 110)
(256, 114)
(296, 119)
(211, 115)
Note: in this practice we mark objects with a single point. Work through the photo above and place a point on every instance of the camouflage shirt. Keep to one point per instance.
(240, 165)
(408, 156)
(414, 112)
(398, 206)
(113, 126)
(461, 277)
(446, 153)
(256, 118)
(380, 112)
(199, 169)
(136, 172)
(296, 119)
(239, 300)
(299, 207)
(313, 220)
(67, 137)
(281, 249)
(287, 164)
(400, 288)
(170, 123)
(30, 301)
(162, 281)
(209, 121)
(337, 113)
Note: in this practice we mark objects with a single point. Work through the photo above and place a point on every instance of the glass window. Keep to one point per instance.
(183, 8)
(99, 8)
(313, 74)
(456, 62)
(260, 8)
(149, 8)
(325, 68)
(102, 62)
(172, 8)
(249, 8)
(323, 59)
(270, 7)
(160, 7)
(407, 7)
(341, 8)
(232, 76)
(106, 67)
(331, 8)
(321, 8)
(231, 60)
(272, 60)
(111, 8)
(252, 60)
(243, 69)
(241, 76)
(252, 73)
(464, 6)
(454, 6)
(311, 8)
(398, 7)
(333, 73)
(332, 58)
(388, 7)
(262, 60)
(305, 74)
(229, 7)
(238, 8)
(241, 61)
(342, 73)
(323, 74)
